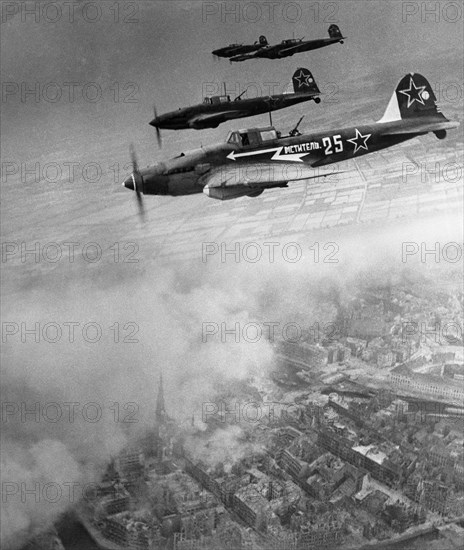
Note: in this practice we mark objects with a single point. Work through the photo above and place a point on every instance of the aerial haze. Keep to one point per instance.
(74, 252)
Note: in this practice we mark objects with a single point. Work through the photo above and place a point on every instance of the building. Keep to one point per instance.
(129, 530)
(306, 355)
(291, 464)
(385, 358)
(110, 504)
(434, 496)
(356, 345)
(326, 530)
(338, 353)
(427, 385)
(253, 508)
(370, 458)
(130, 464)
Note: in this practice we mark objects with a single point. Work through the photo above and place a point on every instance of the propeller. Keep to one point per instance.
(158, 132)
(138, 183)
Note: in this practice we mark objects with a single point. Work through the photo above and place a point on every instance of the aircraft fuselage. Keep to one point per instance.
(255, 159)
(280, 51)
(188, 117)
(184, 175)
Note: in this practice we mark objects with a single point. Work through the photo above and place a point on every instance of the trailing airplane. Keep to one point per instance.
(218, 109)
(256, 159)
(292, 46)
(239, 49)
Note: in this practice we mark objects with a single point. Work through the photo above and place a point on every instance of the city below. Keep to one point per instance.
(354, 441)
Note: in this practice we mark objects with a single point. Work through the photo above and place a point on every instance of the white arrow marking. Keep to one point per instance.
(233, 156)
(294, 157)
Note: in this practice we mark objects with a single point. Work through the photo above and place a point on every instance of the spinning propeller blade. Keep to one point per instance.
(158, 132)
(138, 183)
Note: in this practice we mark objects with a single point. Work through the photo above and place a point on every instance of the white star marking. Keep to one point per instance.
(303, 78)
(359, 141)
(414, 93)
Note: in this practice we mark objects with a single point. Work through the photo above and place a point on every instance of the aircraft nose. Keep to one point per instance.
(128, 183)
(154, 122)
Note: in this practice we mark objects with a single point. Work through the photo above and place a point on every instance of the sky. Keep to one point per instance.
(165, 52)
(163, 57)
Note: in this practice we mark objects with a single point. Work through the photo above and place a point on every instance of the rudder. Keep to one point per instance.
(303, 82)
(334, 32)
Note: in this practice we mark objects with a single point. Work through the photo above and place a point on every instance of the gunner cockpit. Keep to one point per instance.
(216, 100)
(253, 137)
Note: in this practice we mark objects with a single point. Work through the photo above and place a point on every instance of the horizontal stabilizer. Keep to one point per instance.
(418, 127)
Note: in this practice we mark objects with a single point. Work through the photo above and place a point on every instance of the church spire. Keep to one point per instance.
(160, 407)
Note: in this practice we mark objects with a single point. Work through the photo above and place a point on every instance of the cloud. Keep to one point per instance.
(169, 310)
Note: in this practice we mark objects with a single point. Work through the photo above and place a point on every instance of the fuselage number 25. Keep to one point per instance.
(332, 144)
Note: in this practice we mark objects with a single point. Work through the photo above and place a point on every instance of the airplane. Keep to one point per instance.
(218, 109)
(292, 46)
(238, 49)
(253, 160)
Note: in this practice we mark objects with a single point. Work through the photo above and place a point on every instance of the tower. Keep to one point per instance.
(160, 422)
(160, 407)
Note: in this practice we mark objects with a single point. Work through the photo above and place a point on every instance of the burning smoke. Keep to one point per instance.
(170, 311)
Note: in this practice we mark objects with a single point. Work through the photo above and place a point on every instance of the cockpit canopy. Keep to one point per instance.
(253, 137)
(216, 100)
(291, 41)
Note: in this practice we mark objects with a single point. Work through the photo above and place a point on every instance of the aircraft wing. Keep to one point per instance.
(232, 181)
(245, 56)
(292, 49)
(201, 120)
(262, 52)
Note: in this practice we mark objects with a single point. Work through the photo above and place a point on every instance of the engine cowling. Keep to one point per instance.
(256, 193)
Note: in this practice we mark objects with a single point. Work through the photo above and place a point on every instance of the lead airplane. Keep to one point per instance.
(218, 109)
(237, 49)
(253, 160)
(292, 46)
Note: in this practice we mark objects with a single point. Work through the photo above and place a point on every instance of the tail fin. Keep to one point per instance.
(334, 32)
(303, 82)
(413, 98)
(262, 40)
